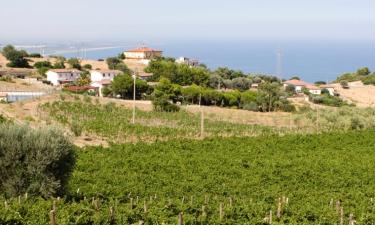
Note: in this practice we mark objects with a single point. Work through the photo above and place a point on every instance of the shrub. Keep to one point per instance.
(76, 128)
(38, 162)
(163, 104)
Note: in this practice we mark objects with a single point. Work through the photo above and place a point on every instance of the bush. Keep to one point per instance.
(76, 128)
(38, 162)
(251, 106)
(162, 104)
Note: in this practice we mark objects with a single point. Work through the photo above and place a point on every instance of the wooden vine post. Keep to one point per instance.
(221, 211)
(52, 217)
(279, 206)
(180, 219)
(342, 215)
(131, 204)
(111, 215)
(270, 217)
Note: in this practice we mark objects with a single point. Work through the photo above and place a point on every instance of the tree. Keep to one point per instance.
(241, 83)
(112, 62)
(268, 95)
(38, 162)
(41, 64)
(74, 63)
(165, 94)
(215, 81)
(84, 79)
(87, 66)
(60, 63)
(17, 58)
(295, 78)
(123, 85)
(364, 71)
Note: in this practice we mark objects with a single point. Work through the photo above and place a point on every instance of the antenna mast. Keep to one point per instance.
(279, 64)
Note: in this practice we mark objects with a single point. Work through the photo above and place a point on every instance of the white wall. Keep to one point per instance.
(55, 78)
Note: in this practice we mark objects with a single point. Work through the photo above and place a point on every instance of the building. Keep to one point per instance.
(99, 75)
(145, 76)
(187, 61)
(143, 53)
(62, 76)
(314, 89)
(102, 78)
(329, 88)
(299, 85)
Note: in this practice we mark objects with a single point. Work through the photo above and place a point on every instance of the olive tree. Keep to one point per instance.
(38, 162)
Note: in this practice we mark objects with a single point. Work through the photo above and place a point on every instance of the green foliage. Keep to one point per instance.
(35, 55)
(178, 73)
(41, 64)
(123, 85)
(74, 63)
(164, 104)
(226, 73)
(327, 99)
(165, 95)
(344, 84)
(182, 176)
(249, 100)
(84, 79)
(107, 91)
(8, 79)
(271, 98)
(17, 58)
(87, 66)
(3, 119)
(295, 78)
(114, 123)
(60, 63)
(38, 162)
(76, 128)
(320, 82)
(215, 81)
(364, 71)
(241, 83)
(369, 79)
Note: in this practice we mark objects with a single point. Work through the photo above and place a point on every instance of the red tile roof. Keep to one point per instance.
(143, 49)
(296, 82)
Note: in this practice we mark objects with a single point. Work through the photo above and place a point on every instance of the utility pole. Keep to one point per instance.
(134, 78)
(202, 115)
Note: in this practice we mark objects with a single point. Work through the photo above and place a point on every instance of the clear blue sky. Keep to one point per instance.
(191, 19)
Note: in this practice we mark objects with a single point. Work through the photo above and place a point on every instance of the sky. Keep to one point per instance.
(191, 20)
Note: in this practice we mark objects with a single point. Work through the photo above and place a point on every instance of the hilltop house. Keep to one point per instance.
(62, 76)
(102, 78)
(187, 61)
(329, 88)
(142, 53)
(299, 85)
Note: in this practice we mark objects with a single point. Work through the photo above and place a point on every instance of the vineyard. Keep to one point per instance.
(294, 179)
(114, 123)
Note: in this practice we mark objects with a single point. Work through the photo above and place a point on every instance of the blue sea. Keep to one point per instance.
(310, 60)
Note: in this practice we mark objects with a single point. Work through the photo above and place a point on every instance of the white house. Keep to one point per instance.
(143, 54)
(62, 76)
(102, 78)
(329, 88)
(299, 85)
(187, 61)
(98, 75)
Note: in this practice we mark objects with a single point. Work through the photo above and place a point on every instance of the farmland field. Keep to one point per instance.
(246, 176)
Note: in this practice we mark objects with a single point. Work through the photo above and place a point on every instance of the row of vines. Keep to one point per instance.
(294, 179)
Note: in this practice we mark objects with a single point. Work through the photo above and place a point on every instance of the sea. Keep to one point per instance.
(310, 60)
